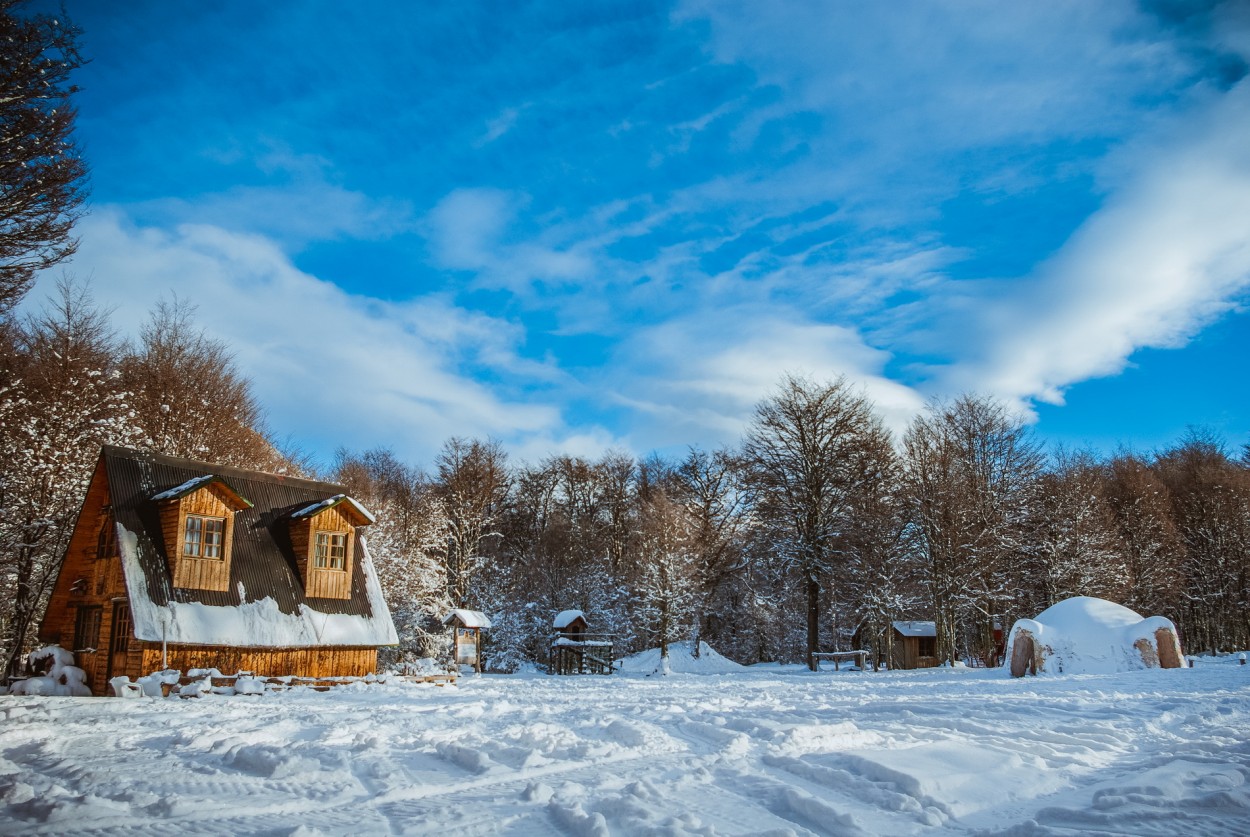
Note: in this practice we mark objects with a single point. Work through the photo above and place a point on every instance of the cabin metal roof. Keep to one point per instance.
(263, 562)
(921, 629)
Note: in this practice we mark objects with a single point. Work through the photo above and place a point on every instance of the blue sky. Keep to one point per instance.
(574, 227)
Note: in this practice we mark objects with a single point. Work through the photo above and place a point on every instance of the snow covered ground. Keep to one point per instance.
(766, 750)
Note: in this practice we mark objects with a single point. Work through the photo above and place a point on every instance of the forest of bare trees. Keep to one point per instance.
(815, 533)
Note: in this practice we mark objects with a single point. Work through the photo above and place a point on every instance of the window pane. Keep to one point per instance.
(191, 542)
(321, 554)
(338, 551)
(214, 529)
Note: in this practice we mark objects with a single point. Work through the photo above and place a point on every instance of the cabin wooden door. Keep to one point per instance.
(119, 640)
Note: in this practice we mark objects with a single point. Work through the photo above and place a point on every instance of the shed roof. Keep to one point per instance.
(916, 628)
(467, 618)
(265, 605)
(567, 617)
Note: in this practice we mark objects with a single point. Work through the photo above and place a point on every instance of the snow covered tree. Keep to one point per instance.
(883, 578)
(404, 543)
(667, 572)
(41, 168)
(970, 471)
(810, 453)
(1075, 549)
(60, 400)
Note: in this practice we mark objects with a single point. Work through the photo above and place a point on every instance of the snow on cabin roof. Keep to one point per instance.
(196, 483)
(468, 618)
(565, 618)
(916, 628)
(331, 502)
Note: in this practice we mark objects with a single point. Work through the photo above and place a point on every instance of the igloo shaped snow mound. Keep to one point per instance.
(1084, 635)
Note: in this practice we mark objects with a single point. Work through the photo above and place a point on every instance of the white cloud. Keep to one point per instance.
(1166, 255)
(470, 229)
(698, 378)
(329, 367)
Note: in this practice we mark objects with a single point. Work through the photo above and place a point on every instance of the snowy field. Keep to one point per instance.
(768, 750)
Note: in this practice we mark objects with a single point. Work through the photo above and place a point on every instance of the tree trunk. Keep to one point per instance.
(813, 618)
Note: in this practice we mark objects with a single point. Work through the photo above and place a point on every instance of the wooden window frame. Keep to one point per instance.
(327, 560)
(106, 541)
(202, 542)
(88, 620)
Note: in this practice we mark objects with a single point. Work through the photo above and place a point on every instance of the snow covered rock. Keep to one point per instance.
(1084, 635)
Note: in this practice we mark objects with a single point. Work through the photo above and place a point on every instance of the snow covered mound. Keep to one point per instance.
(681, 660)
(62, 678)
(1084, 635)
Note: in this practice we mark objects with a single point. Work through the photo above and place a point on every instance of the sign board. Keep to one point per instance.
(466, 646)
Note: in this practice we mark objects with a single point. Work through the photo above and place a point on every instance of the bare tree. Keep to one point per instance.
(811, 452)
(189, 399)
(473, 485)
(42, 174)
(1211, 507)
(1142, 508)
(970, 472)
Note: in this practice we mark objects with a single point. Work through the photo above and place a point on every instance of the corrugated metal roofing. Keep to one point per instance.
(262, 559)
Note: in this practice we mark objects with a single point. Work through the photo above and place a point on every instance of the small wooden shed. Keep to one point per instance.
(915, 645)
(467, 639)
(574, 650)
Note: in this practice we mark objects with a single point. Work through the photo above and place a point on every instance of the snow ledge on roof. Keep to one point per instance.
(330, 502)
(179, 490)
(257, 624)
(468, 618)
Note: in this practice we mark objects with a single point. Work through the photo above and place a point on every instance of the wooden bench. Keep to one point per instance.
(860, 657)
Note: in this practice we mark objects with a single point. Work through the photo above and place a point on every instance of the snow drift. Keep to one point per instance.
(681, 660)
(1084, 635)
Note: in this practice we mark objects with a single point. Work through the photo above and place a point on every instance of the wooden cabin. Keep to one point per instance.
(467, 626)
(574, 651)
(915, 645)
(181, 564)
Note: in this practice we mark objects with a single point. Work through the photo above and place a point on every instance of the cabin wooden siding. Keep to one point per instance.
(190, 572)
(263, 662)
(907, 653)
(323, 582)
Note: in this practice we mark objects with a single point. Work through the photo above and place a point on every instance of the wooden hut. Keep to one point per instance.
(574, 650)
(467, 626)
(915, 645)
(181, 564)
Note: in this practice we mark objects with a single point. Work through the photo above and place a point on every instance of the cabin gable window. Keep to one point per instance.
(323, 538)
(197, 520)
(330, 551)
(204, 537)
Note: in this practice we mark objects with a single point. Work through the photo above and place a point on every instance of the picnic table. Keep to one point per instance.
(859, 656)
